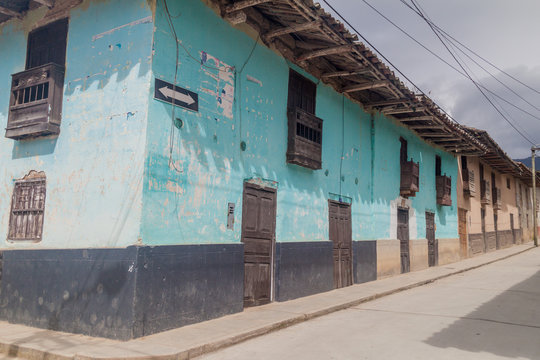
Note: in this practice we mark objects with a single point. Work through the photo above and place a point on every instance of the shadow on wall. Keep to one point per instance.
(507, 326)
(442, 214)
(209, 147)
(33, 147)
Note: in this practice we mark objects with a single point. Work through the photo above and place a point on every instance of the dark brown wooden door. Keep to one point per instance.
(341, 235)
(430, 235)
(462, 230)
(483, 222)
(495, 221)
(403, 237)
(512, 228)
(258, 233)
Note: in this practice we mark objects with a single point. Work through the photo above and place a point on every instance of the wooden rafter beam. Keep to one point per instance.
(237, 17)
(426, 127)
(403, 111)
(292, 29)
(239, 5)
(387, 102)
(48, 3)
(9, 12)
(417, 118)
(453, 139)
(445, 135)
(345, 73)
(366, 86)
(325, 52)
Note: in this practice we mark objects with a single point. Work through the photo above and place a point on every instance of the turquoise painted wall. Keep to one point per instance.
(192, 172)
(387, 181)
(95, 166)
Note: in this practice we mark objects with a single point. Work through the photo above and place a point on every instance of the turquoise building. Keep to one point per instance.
(180, 161)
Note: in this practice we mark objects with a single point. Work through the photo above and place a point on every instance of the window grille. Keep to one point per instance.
(27, 209)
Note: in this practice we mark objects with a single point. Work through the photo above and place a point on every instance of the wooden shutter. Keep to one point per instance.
(47, 45)
(302, 93)
(27, 208)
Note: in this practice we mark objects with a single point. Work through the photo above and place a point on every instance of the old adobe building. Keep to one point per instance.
(170, 162)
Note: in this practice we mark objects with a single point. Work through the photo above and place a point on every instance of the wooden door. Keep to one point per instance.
(497, 242)
(258, 233)
(403, 237)
(483, 221)
(430, 235)
(512, 228)
(340, 232)
(462, 230)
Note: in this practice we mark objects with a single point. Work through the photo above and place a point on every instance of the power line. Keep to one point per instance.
(473, 52)
(470, 78)
(447, 63)
(385, 58)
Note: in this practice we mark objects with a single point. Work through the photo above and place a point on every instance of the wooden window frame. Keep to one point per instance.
(35, 107)
(30, 212)
(305, 130)
(409, 172)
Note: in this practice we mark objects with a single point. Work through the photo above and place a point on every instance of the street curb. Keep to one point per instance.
(26, 352)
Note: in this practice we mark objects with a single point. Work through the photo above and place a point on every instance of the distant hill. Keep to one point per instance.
(528, 162)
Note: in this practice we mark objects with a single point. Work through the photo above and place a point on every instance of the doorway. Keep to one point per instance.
(483, 221)
(497, 241)
(432, 243)
(258, 236)
(403, 237)
(340, 233)
(512, 228)
(462, 231)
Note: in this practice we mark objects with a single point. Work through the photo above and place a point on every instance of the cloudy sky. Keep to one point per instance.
(502, 31)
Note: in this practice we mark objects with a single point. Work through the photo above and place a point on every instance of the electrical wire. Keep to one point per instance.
(473, 52)
(453, 41)
(450, 65)
(173, 107)
(385, 58)
(342, 143)
(238, 76)
(468, 75)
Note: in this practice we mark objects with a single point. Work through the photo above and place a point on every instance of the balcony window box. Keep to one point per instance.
(485, 192)
(36, 102)
(305, 139)
(410, 172)
(444, 190)
(469, 187)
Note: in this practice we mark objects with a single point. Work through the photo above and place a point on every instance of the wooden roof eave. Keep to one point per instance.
(340, 46)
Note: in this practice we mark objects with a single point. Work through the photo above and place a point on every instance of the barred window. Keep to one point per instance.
(27, 208)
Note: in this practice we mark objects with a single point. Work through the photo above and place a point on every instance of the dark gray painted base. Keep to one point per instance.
(80, 291)
(121, 293)
(476, 243)
(364, 261)
(491, 241)
(506, 238)
(302, 269)
(182, 285)
(518, 235)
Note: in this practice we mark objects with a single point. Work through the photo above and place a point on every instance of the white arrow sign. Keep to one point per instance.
(170, 93)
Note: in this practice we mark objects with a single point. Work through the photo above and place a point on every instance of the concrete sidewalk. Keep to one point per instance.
(194, 340)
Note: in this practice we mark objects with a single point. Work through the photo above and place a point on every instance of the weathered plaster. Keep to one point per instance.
(94, 168)
(192, 173)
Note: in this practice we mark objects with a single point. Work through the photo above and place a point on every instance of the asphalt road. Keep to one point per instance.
(489, 313)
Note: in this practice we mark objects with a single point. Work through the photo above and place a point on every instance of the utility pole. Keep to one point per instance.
(535, 225)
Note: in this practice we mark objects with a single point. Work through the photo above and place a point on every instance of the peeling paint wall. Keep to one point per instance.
(386, 182)
(95, 166)
(194, 171)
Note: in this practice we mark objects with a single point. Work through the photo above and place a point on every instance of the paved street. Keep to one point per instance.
(489, 313)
